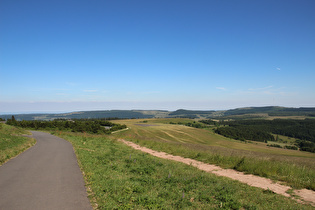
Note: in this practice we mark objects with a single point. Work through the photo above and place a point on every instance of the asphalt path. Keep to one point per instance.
(46, 176)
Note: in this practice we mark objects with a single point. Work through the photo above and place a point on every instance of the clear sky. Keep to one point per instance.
(74, 55)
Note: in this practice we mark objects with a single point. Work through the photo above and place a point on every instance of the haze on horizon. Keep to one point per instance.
(63, 56)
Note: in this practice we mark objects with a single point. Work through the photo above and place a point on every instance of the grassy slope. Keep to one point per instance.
(121, 177)
(293, 167)
(11, 143)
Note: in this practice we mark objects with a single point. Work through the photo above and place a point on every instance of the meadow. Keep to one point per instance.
(119, 177)
(294, 168)
(12, 143)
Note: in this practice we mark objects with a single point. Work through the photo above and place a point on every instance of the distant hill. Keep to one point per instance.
(83, 115)
(272, 111)
(191, 113)
(128, 114)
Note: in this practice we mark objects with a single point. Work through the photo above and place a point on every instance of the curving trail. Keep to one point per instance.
(46, 176)
(307, 196)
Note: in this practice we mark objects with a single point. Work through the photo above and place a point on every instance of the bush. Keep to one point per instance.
(274, 145)
(291, 147)
(306, 146)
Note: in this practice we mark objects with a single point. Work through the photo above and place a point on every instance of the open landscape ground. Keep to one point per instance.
(305, 195)
(117, 176)
(120, 177)
(295, 168)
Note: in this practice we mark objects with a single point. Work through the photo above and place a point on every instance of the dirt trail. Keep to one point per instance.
(307, 196)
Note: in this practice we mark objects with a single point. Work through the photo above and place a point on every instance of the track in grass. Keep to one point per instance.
(122, 177)
(296, 168)
(264, 183)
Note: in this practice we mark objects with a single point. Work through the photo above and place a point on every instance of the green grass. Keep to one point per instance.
(295, 168)
(284, 140)
(122, 178)
(12, 143)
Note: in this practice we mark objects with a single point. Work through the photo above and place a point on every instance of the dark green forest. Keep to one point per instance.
(273, 111)
(245, 133)
(209, 122)
(94, 126)
(262, 130)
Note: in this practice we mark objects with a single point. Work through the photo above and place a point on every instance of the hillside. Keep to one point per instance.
(245, 113)
(129, 114)
(272, 111)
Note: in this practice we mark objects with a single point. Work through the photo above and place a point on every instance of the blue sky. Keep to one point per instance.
(68, 55)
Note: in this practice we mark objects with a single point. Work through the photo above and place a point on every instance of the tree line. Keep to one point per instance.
(260, 130)
(94, 126)
(245, 133)
(193, 124)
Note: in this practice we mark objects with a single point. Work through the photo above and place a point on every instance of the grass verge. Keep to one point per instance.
(121, 177)
(12, 143)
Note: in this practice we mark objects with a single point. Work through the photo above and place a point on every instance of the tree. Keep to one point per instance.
(12, 121)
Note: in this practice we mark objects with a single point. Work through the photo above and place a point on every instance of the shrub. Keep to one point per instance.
(274, 145)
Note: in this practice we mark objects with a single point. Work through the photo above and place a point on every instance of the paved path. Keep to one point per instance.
(46, 176)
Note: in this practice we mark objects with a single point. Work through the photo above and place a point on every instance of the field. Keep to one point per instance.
(295, 168)
(12, 143)
(283, 140)
(119, 177)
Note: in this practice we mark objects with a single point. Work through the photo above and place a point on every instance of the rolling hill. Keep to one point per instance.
(248, 112)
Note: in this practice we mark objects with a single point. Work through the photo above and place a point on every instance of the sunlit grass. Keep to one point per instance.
(296, 168)
(123, 178)
(12, 143)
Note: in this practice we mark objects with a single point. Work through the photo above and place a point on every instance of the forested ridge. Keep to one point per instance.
(273, 111)
(122, 114)
(248, 112)
(190, 113)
